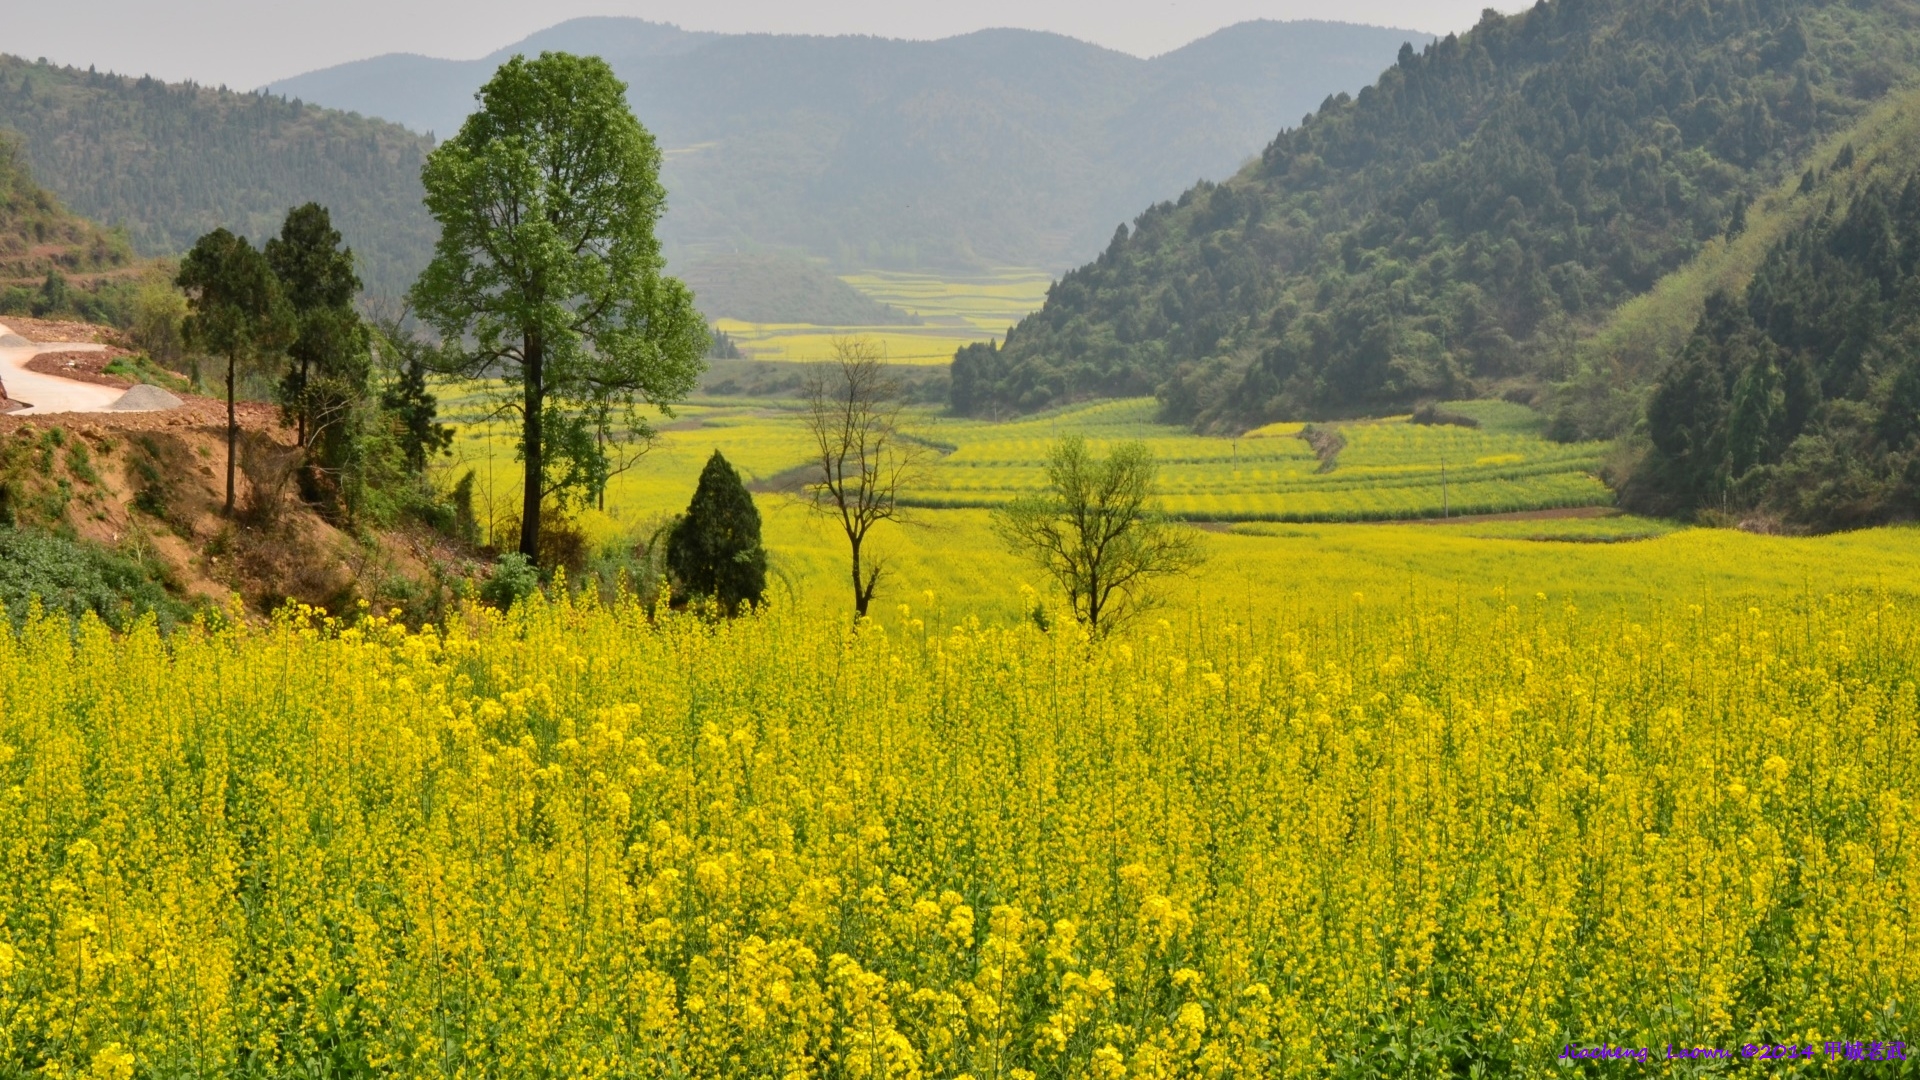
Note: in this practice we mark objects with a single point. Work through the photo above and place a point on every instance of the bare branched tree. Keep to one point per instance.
(1095, 532)
(853, 413)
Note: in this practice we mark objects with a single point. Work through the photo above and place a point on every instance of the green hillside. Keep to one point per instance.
(1799, 396)
(51, 261)
(166, 163)
(1460, 226)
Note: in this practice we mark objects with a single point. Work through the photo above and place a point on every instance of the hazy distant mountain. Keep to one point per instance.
(1001, 147)
(167, 162)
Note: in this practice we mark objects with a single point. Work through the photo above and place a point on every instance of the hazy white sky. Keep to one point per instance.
(246, 43)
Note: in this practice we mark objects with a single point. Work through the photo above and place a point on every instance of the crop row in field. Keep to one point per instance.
(1387, 469)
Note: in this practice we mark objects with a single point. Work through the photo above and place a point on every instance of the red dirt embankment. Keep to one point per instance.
(152, 485)
(87, 367)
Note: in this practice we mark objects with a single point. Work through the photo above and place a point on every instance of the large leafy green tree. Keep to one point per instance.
(714, 550)
(547, 273)
(237, 313)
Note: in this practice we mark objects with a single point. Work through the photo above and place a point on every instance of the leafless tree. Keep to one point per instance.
(1094, 530)
(863, 462)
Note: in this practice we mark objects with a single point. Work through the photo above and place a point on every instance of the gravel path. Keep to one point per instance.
(49, 393)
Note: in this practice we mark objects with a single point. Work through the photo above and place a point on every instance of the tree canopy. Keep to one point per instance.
(238, 313)
(548, 273)
(1095, 532)
(330, 361)
(714, 549)
(1801, 397)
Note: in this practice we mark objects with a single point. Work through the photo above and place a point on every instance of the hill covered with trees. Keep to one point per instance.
(51, 260)
(999, 148)
(166, 163)
(1459, 225)
(1800, 397)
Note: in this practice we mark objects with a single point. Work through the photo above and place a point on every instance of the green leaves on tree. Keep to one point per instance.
(548, 275)
(237, 312)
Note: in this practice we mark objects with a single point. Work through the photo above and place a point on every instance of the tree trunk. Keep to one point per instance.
(300, 405)
(861, 595)
(233, 435)
(534, 401)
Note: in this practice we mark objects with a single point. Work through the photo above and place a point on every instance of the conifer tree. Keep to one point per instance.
(328, 374)
(715, 549)
(238, 314)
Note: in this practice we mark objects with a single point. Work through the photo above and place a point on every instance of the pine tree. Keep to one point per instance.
(714, 550)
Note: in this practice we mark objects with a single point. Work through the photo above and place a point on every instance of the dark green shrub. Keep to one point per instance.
(715, 549)
(75, 578)
(513, 579)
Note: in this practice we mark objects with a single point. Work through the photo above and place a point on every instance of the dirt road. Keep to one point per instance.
(48, 393)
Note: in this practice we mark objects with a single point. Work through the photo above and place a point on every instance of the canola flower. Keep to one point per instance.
(571, 842)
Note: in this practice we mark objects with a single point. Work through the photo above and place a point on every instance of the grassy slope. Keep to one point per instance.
(1644, 332)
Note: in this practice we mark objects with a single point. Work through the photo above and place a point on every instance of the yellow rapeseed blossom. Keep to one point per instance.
(575, 841)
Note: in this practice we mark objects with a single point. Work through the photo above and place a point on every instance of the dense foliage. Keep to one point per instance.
(549, 277)
(65, 577)
(240, 314)
(52, 262)
(167, 163)
(1458, 223)
(329, 360)
(1426, 840)
(714, 548)
(1802, 398)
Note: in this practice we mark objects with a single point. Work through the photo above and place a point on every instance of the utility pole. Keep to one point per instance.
(1443, 485)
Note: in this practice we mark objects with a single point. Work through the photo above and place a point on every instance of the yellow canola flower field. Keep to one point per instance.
(1392, 839)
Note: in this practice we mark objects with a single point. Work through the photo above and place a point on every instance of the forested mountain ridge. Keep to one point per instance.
(996, 148)
(167, 163)
(53, 262)
(1460, 223)
(1799, 397)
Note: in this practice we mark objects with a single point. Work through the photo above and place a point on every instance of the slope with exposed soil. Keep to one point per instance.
(149, 486)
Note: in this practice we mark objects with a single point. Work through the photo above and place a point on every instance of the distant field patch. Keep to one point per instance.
(1388, 470)
(926, 345)
(954, 312)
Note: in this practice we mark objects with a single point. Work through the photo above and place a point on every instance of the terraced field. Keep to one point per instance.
(1383, 469)
(955, 313)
